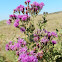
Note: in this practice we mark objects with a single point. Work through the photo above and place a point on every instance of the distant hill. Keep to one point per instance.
(56, 12)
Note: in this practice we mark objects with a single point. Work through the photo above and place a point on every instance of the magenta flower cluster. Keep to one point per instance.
(37, 5)
(9, 21)
(19, 8)
(21, 50)
(46, 36)
(17, 19)
(27, 58)
(44, 40)
(13, 16)
(52, 34)
(16, 23)
(36, 35)
(15, 46)
(49, 37)
(54, 42)
(28, 1)
(22, 29)
(23, 17)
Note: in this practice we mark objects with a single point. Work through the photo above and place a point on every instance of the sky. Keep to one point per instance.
(7, 6)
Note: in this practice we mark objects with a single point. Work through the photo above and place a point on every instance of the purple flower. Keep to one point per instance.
(21, 6)
(12, 47)
(32, 52)
(33, 58)
(24, 43)
(20, 40)
(16, 46)
(21, 57)
(20, 16)
(38, 31)
(36, 39)
(49, 34)
(9, 21)
(44, 40)
(28, 1)
(44, 30)
(23, 50)
(35, 35)
(42, 3)
(14, 16)
(18, 8)
(24, 18)
(34, 3)
(11, 16)
(54, 42)
(16, 24)
(10, 42)
(32, 6)
(54, 34)
(17, 20)
(7, 47)
(21, 9)
(37, 4)
(26, 58)
(15, 10)
(22, 29)
(17, 53)
(40, 6)
(36, 8)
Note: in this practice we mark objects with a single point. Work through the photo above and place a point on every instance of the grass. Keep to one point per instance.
(10, 33)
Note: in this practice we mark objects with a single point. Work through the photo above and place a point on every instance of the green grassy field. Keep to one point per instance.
(10, 33)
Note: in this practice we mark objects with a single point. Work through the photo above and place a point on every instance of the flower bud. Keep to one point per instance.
(17, 53)
(26, 2)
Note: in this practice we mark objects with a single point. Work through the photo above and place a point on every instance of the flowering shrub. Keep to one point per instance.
(41, 44)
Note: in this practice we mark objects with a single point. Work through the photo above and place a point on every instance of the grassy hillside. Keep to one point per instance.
(10, 33)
